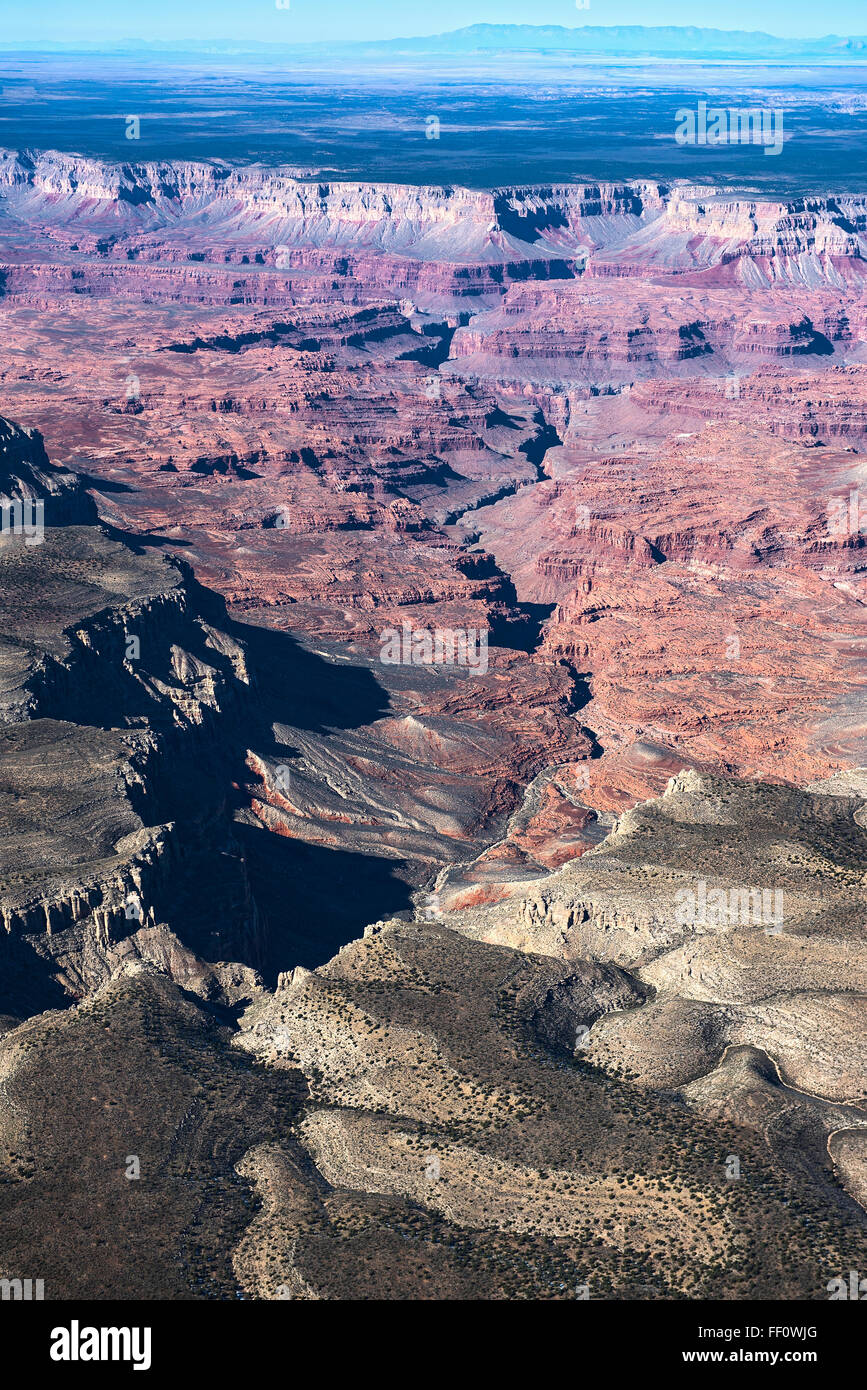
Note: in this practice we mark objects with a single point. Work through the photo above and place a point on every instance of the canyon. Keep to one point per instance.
(392, 950)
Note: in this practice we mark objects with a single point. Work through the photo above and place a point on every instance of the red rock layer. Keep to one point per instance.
(620, 427)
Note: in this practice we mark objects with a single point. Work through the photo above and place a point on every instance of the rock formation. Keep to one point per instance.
(539, 976)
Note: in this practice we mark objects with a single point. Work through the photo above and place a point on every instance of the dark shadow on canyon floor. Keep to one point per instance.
(27, 983)
(310, 900)
(314, 900)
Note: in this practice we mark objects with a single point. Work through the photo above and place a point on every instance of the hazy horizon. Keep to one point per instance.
(95, 22)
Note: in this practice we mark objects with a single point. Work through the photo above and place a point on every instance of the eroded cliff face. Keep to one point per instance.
(111, 676)
(615, 230)
(27, 475)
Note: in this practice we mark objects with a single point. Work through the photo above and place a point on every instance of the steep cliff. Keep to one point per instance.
(109, 673)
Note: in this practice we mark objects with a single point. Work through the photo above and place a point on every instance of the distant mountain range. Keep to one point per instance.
(630, 39)
(585, 41)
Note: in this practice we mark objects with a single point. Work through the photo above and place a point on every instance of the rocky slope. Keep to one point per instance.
(111, 674)
(436, 1113)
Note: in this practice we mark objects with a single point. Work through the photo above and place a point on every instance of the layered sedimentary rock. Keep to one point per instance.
(630, 398)
(488, 969)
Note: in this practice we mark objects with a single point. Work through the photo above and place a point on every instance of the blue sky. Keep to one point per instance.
(65, 20)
